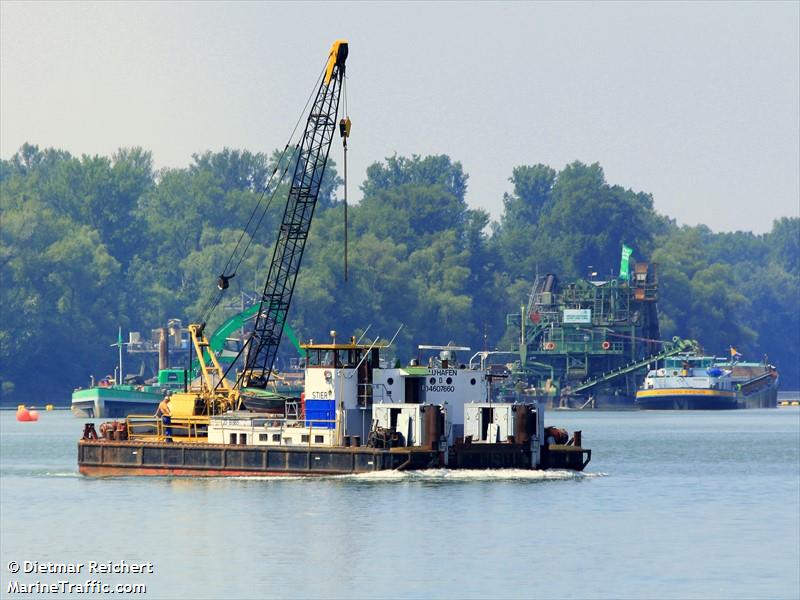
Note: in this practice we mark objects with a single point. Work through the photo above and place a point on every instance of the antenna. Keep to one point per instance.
(395, 335)
(363, 334)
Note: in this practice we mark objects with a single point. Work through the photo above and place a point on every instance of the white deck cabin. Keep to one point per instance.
(444, 380)
(686, 371)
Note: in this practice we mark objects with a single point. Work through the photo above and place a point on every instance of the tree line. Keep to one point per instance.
(91, 243)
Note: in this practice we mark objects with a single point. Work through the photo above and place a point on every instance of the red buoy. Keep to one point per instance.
(33, 415)
(24, 415)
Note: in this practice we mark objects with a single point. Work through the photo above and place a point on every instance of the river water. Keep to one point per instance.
(673, 505)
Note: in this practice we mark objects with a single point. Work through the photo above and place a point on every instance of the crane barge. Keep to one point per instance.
(357, 415)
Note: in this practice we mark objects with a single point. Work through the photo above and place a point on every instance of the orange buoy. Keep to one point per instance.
(23, 414)
(33, 415)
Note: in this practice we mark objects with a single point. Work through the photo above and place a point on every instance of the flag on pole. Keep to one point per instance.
(624, 263)
(119, 349)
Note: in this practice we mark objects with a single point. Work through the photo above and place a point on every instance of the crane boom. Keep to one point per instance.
(290, 245)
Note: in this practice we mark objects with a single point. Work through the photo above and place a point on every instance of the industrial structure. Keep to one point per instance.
(589, 343)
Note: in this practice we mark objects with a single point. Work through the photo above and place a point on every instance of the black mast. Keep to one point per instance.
(289, 247)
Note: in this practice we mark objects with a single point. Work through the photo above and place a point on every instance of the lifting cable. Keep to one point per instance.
(223, 279)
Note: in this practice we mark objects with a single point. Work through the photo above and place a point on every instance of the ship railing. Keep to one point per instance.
(152, 428)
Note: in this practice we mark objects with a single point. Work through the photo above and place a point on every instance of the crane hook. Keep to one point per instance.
(222, 282)
(344, 127)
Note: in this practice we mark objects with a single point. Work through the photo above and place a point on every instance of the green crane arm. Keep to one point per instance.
(237, 321)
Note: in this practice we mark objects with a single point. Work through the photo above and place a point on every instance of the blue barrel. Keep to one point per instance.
(324, 410)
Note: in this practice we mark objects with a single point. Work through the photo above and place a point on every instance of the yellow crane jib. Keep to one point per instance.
(212, 375)
(336, 58)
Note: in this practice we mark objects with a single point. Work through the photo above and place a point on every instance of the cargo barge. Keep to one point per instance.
(355, 417)
(692, 382)
(109, 400)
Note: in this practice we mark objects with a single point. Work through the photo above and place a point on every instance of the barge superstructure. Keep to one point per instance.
(356, 416)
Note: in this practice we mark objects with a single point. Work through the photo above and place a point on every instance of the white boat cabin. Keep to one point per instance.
(688, 371)
(444, 380)
(349, 393)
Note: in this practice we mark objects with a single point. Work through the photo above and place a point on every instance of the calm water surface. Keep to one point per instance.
(673, 505)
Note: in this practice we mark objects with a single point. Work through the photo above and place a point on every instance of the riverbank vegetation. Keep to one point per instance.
(91, 243)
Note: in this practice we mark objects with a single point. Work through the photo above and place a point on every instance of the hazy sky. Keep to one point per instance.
(698, 104)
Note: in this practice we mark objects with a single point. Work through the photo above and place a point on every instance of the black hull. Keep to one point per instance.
(133, 458)
(127, 458)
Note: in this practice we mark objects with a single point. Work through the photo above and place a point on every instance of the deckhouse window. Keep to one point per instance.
(334, 358)
(318, 358)
(353, 357)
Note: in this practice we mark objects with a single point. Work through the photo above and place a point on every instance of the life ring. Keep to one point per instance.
(549, 345)
(606, 345)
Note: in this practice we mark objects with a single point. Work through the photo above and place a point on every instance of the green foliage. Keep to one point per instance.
(418, 257)
(567, 221)
(91, 243)
(733, 289)
(59, 293)
(533, 188)
(784, 244)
